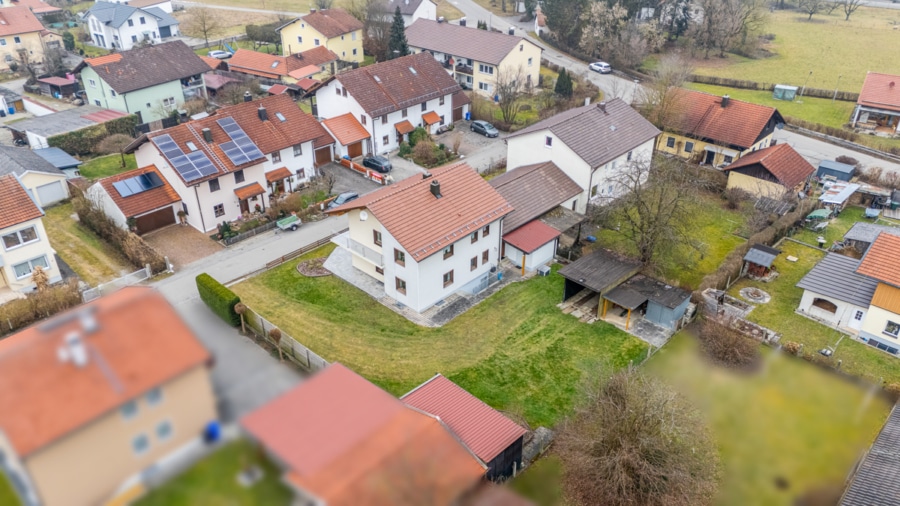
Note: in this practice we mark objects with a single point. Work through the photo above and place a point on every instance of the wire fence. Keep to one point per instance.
(293, 349)
(111, 286)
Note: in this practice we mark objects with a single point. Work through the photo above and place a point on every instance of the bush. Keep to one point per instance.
(417, 135)
(792, 347)
(727, 347)
(219, 298)
(68, 41)
(849, 160)
(135, 249)
(424, 154)
(735, 197)
(20, 313)
(405, 150)
(85, 141)
(113, 144)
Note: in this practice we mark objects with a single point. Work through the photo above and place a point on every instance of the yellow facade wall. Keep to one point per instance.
(876, 321)
(30, 45)
(300, 36)
(362, 231)
(698, 153)
(26, 252)
(754, 186)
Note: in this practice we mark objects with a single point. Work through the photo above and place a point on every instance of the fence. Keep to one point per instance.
(368, 174)
(250, 233)
(293, 254)
(293, 349)
(847, 96)
(126, 280)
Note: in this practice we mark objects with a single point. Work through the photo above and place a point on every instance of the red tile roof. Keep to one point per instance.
(256, 63)
(431, 118)
(305, 71)
(881, 91)
(104, 115)
(788, 166)
(306, 83)
(15, 20)
(216, 81)
(250, 190)
(56, 81)
(880, 260)
(358, 441)
(277, 89)
(145, 201)
(531, 236)
(214, 63)
(16, 204)
(423, 224)
(404, 127)
(278, 174)
(346, 129)
(140, 343)
(701, 115)
(332, 22)
(37, 6)
(482, 428)
(102, 60)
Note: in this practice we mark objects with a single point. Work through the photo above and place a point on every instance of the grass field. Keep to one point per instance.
(515, 351)
(104, 166)
(541, 481)
(7, 496)
(791, 421)
(90, 257)
(212, 481)
(836, 228)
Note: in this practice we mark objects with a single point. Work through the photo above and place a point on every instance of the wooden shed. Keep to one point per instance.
(758, 260)
(58, 87)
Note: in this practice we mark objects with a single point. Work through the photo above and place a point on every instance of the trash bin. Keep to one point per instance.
(500, 276)
(12, 110)
(212, 432)
(468, 116)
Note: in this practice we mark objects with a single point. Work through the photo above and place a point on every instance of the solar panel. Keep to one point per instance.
(280, 117)
(242, 149)
(138, 184)
(191, 166)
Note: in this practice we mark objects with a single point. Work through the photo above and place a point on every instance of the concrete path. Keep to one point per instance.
(815, 151)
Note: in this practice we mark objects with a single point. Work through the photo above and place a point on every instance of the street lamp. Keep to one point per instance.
(804, 83)
(836, 88)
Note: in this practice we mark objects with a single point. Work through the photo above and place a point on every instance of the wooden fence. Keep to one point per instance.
(293, 349)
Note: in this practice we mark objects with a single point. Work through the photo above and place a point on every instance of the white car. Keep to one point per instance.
(222, 55)
(601, 67)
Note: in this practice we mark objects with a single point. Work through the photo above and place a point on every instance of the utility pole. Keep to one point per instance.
(836, 88)
(804, 83)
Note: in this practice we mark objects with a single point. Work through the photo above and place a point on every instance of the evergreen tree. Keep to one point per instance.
(563, 84)
(398, 46)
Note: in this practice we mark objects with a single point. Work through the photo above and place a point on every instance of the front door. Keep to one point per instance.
(245, 206)
(857, 319)
(710, 157)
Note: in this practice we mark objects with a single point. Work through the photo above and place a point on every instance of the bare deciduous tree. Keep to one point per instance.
(632, 441)
(811, 7)
(275, 335)
(324, 4)
(376, 22)
(723, 21)
(202, 22)
(659, 97)
(509, 88)
(240, 309)
(849, 7)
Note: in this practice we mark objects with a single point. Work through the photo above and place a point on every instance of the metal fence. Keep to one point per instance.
(250, 233)
(111, 286)
(293, 349)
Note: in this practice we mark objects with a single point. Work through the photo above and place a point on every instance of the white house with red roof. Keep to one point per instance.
(140, 200)
(428, 238)
(878, 105)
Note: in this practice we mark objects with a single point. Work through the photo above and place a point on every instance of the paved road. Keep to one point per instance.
(815, 151)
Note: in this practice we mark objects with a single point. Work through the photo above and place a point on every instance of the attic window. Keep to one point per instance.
(413, 71)
(274, 64)
(192, 146)
(377, 79)
(280, 117)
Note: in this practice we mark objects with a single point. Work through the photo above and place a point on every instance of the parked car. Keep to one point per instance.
(222, 55)
(343, 199)
(601, 67)
(379, 163)
(484, 128)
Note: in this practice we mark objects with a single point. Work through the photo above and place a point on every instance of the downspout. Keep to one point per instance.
(199, 209)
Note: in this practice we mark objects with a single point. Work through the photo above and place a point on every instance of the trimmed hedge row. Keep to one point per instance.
(847, 96)
(85, 141)
(219, 298)
(133, 246)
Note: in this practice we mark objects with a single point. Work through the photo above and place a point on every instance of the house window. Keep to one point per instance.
(154, 34)
(484, 257)
(728, 159)
(169, 102)
(276, 156)
(376, 237)
(424, 106)
(400, 285)
(485, 69)
(2, 42)
(154, 397)
(448, 279)
(858, 315)
(134, 38)
(239, 177)
(442, 119)
(337, 90)
(20, 237)
(474, 237)
(362, 119)
(92, 83)
(316, 42)
(143, 21)
(354, 51)
(130, 22)
(628, 158)
(384, 120)
(342, 37)
(298, 149)
(448, 252)
(385, 140)
(129, 410)
(441, 101)
(343, 53)
(486, 231)
(301, 173)
(670, 142)
(214, 185)
(299, 39)
(112, 93)
(344, 92)
(548, 141)
(529, 61)
(24, 269)
(688, 147)
(353, 37)
(379, 270)
(96, 102)
(164, 430)
(399, 257)
(594, 190)
(473, 263)
(404, 112)
(521, 47)
(140, 444)
(17, 39)
(892, 329)
(219, 209)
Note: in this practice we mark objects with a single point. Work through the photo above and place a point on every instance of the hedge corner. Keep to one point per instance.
(219, 298)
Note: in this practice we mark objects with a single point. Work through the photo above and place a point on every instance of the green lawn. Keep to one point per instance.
(541, 481)
(104, 166)
(791, 420)
(515, 351)
(857, 358)
(444, 7)
(837, 227)
(8, 497)
(213, 482)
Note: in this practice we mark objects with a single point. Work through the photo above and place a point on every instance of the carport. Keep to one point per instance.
(593, 276)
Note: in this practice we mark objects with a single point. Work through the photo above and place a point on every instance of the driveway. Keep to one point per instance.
(815, 151)
(182, 245)
(477, 150)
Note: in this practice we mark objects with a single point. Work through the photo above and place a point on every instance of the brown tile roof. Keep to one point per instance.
(36, 6)
(880, 260)
(217, 81)
(596, 136)
(423, 224)
(316, 56)
(463, 41)
(482, 428)
(392, 85)
(460, 99)
(17, 206)
(701, 116)
(278, 174)
(887, 297)
(346, 129)
(360, 443)
(277, 89)
(332, 22)
(145, 201)
(531, 236)
(250, 190)
(533, 190)
(15, 20)
(143, 67)
(431, 118)
(788, 166)
(276, 66)
(404, 127)
(881, 91)
(140, 343)
(214, 63)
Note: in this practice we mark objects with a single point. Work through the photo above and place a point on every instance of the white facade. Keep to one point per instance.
(99, 196)
(22, 247)
(541, 256)
(300, 160)
(46, 189)
(847, 315)
(426, 10)
(139, 26)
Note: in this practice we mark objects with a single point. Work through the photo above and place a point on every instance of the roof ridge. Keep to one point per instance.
(429, 380)
(207, 147)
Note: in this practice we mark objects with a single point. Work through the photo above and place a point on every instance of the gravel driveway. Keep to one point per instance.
(182, 244)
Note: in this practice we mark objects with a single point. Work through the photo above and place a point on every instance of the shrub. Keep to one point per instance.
(849, 160)
(113, 144)
(735, 196)
(792, 347)
(405, 149)
(19, 313)
(417, 135)
(893, 390)
(135, 249)
(424, 154)
(220, 299)
(726, 346)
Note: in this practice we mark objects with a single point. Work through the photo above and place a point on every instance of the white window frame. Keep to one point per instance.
(298, 150)
(92, 83)
(894, 334)
(485, 69)
(31, 266)
(216, 210)
(2, 42)
(18, 234)
(483, 86)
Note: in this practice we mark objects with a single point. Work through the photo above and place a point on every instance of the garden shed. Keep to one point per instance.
(861, 235)
(836, 170)
(784, 92)
(759, 259)
(836, 195)
(657, 302)
(597, 273)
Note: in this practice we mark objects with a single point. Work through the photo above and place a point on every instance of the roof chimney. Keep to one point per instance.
(88, 322)
(436, 189)
(440, 19)
(462, 21)
(426, 175)
(312, 10)
(248, 96)
(75, 350)
(263, 115)
(207, 135)
(725, 99)
(602, 106)
(892, 84)
(512, 30)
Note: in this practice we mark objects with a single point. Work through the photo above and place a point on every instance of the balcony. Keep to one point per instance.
(464, 69)
(366, 252)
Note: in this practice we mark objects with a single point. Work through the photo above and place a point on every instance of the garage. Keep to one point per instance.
(323, 155)
(155, 220)
(457, 114)
(355, 149)
(51, 193)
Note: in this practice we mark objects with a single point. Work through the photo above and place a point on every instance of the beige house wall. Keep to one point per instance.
(361, 231)
(698, 152)
(299, 36)
(754, 186)
(31, 180)
(876, 321)
(30, 45)
(19, 254)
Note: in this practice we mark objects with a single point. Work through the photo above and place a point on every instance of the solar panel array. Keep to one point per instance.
(194, 165)
(138, 184)
(240, 149)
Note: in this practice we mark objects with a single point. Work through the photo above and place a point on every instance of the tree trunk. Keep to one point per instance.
(243, 328)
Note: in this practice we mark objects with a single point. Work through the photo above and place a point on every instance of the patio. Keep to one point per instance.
(182, 245)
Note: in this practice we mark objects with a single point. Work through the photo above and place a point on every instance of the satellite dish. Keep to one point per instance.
(363, 216)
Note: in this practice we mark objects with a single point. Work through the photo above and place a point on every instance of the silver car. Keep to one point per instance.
(601, 67)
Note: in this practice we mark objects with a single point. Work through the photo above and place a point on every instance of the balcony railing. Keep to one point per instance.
(367, 253)
(464, 69)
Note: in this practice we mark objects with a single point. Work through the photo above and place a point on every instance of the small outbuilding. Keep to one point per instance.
(600, 272)
(58, 87)
(838, 171)
(61, 160)
(835, 195)
(784, 92)
(140, 199)
(759, 259)
(861, 235)
(657, 302)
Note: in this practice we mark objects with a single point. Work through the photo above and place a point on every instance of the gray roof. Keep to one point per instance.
(479, 45)
(533, 190)
(760, 254)
(9, 95)
(626, 297)
(600, 271)
(407, 7)
(115, 14)
(867, 232)
(16, 160)
(58, 158)
(835, 276)
(656, 291)
(596, 136)
(840, 167)
(162, 17)
(877, 480)
(59, 122)
(143, 67)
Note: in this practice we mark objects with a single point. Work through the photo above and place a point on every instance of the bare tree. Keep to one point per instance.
(40, 279)
(850, 6)
(660, 96)
(275, 335)
(240, 309)
(202, 22)
(811, 7)
(632, 441)
(509, 88)
(723, 21)
(324, 4)
(376, 22)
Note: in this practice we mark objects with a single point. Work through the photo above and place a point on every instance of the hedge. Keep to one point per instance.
(19, 313)
(133, 246)
(84, 141)
(847, 96)
(219, 298)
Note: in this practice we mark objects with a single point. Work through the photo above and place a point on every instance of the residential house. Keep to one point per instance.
(120, 382)
(540, 21)
(385, 102)
(881, 324)
(836, 294)
(150, 82)
(38, 7)
(139, 200)
(316, 63)
(714, 130)
(593, 145)
(428, 238)
(165, 5)
(122, 27)
(341, 440)
(233, 162)
(862, 234)
(44, 182)
(23, 39)
(770, 172)
(61, 160)
(335, 29)
(37, 131)
(493, 438)
(411, 10)
(878, 105)
(872, 480)
(25, 242)
(477, 58)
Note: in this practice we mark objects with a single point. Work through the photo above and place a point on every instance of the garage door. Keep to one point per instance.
(355, 149)
(51, 193)
(457, 114)
(155, 220)
(323, 156)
